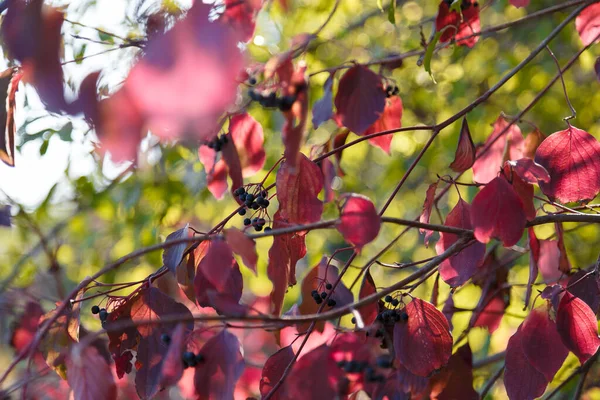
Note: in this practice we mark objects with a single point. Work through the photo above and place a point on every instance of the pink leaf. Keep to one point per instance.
(572, 158)
(577, 326)
(519, 3)
(426, 213)
(488, 164)
(460, 267)
(391, 118)
(548, 261)
(89, 375)
(273, 370)
(247, 135)
(323, 108)
(588, 24)
(497, 211)
(529, 171)
(459, 27)
(315, 376)
(223, 365)
(541, 343)
(297, 191)
(360, 99)
(423, 343)
(217, 264)
(359, 221)
(241, 16)
(464, 158)
(243, 246)
(172, 367)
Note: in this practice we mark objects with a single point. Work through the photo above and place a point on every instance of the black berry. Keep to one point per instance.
(247, 221)
(252, 81)
(388, 298)
(166, 339)
(95, 309)
(265, 203)
(323, 295)
(331, 303)
(242, 211)
(199, 358)
(403, 316)
(189, 358)
(103, 314)
(384, 362)
(258, 228)
(255, 206)
(249, 198)
(353, 320)
(328, 286)
(286, 102)
(254, 95)
(395, 302)
(243, 197)
(314, 293)
(268, 229)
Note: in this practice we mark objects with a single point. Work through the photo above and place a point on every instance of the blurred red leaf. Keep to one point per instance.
(572, 158)
(548, 260)
(541, 343)
(488, 164)
(391, 118)
(285, 252)
(243, 246)
(223, 364)
(296, 117)
(247, 135)
(519, 3)
(529, 171)
(577, 326)
(587, 24)
(455, 381)
(218, 264)
(585, 285)
(297, 191)
(464, 158)
(241, 16)
(123, 363)
(26, 326)
(534, 255)
(273, 371)
(423, 344)
(427, 207)
(497, 211)
(89, 375)
(315, 376)
(9, 84)
(491, 315)
(329, 171)
(370, 311)
(217, 168)
(459, 27)
(460, 267)
(521, 379)
(323, 108)
(359, 221)
(172, 367)
(360, 99)
(563, 262)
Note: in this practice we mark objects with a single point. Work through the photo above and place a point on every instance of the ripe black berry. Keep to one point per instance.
(328, 286)
(341, 363)
(165, 338)
(249, 198)
(323, 295)
(353, 320)
(254, 95)
(258, 228)
(252, 81)
(331, 303)
(103, 314)
(395, 302)
(265, 203)
(384, 361)
(388, 298)
(254, 206)
(189, 358)
(268, 229)
(261, 221)
(242, 211)
(286, 102)
(314, 293)
(199, 358)
(247, 221)
(243, 197)
(95, 309)
(403, 316)
(318, 300)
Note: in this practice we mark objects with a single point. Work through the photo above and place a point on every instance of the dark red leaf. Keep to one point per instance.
(26, 327)
(391, 118)
(455, 381)
(491, 314)
(323, 108)
(460, 267)
(295, 119)
(423, 343)
(402, 385)
(426, 213)
(588, 24)
(488, 163)
(172, 367)
(563, 262)
(241, 16)
(223, 364)
(315, 376)
(464, 158)
(521, 379)
(285, 252)
(519, 3)
(572, 158)
(370, 311)
(525, 192)
(577, 326)
(172, 255)
(497, 211)
(123, 363)
(9, 84)
(243, 246)
(247, 135)
(534, 255)
(89, 375)
(297, 191)
(273, 370)
(218, 264)
(456, 26)
(585, 285)
(359, 221)
(541, 343)
(360, 99)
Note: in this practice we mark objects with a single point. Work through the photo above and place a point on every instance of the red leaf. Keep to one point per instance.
(89, 375)
(541, 343)
(572, 157)
(563, 262)
(532, 142)
(123, 363)
(521, 379)
(9, 84)
(315, 376)
(457, 26)
(247, 135)
(426, 213)
(525, 192)
(488, 163)
(243, 246)
(273, 370)
(218, 264)
(296, 117)
(586, 286)
(359, 221)
(297, 191)
(391, 118)
(588, 24)
(534, 255)
(223, 365)
(456, 379)
(519, 3)
(172, 255)
(216, 171)
(497, 211)
(26, 327)
(329, 174)
(464, 158)
(187, 76)
(285, 252)
(323, 108)
(241, 16)
(529, 171)
(360, 99)
(423, 343)
(460, 267)
(577, 326)
(172, 367)
(370, 311)
(548, 260)
(491, 314)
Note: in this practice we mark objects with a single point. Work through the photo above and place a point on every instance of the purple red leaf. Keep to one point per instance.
(427, 207)
(323, 108)
(273, 370)
(457, 26)
(243, 246)
(587, 24)
(577, 326)
(241, 16)
(391, 118)
(464, 158)
(359, 221)
(89, 375)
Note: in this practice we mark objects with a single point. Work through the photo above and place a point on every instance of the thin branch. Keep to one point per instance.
(564, 86)
(490, 383)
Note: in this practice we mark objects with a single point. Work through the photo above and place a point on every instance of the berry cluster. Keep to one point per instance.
(391, 90)
(253, 201)
(271, 100)
(217, 143)
(102, 313)
(188, 358)
(319, 297)
(390, 317)
(355, 367)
